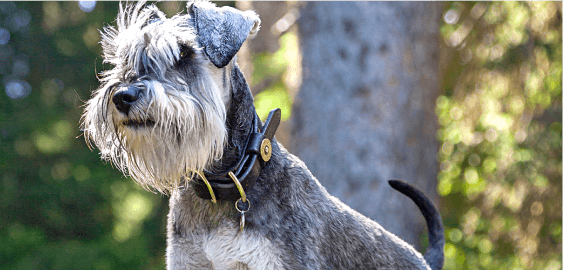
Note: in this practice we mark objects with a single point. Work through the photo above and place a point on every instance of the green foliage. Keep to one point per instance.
(500, 120)
(61, 207)
(273, 67)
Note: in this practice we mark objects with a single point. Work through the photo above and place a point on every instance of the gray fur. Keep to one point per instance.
(184, 106)
(222, 30)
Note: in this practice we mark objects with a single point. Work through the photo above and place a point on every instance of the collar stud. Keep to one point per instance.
(266, 149)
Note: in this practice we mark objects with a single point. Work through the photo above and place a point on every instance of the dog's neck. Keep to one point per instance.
(240, 114)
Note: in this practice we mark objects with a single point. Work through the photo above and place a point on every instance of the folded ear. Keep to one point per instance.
(221, 31)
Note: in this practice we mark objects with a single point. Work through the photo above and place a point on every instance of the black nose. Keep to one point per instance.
(124, 98)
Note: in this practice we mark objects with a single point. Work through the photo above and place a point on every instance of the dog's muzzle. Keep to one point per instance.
(125, 97)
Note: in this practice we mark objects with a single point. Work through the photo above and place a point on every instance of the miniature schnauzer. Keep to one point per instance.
(176, 114)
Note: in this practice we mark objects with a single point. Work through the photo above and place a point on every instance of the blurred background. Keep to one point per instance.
(485, 77)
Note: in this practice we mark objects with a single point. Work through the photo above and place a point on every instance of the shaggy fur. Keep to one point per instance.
(176, 102)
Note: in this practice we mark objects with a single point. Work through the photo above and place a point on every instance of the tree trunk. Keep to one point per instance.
(365, 111)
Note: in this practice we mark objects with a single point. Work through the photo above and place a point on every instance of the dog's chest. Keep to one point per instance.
(228, 248)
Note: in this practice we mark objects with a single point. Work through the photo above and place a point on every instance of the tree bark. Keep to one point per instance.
(365, 110)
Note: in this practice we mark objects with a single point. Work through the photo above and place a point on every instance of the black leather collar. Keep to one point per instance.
(248, 168)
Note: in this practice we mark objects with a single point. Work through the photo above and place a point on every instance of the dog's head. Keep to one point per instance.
(160, 112)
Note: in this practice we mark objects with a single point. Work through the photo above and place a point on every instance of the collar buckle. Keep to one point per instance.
(259, 146)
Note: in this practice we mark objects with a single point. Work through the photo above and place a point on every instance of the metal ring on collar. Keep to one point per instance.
(213, 199)
(238, 209)
(239, 186)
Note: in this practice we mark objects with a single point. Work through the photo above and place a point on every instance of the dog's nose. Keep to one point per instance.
(124, 98)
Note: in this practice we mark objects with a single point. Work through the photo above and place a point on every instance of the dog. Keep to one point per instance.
(176, 114)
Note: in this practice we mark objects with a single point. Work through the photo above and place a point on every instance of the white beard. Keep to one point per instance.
(188, 134)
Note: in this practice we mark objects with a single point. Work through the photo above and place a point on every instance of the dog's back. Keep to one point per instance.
(315, 230)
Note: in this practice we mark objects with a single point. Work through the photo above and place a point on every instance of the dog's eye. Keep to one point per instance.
(186, 52)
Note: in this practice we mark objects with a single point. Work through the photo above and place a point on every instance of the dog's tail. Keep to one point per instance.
(434, 255)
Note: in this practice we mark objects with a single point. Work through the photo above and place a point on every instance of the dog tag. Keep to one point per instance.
(241, 221)
(245, 206)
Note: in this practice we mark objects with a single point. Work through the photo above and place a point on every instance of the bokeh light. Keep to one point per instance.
(16, 89)
(4, 36)
(87, 6)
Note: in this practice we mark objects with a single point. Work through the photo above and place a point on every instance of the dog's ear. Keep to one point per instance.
(221, 31)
